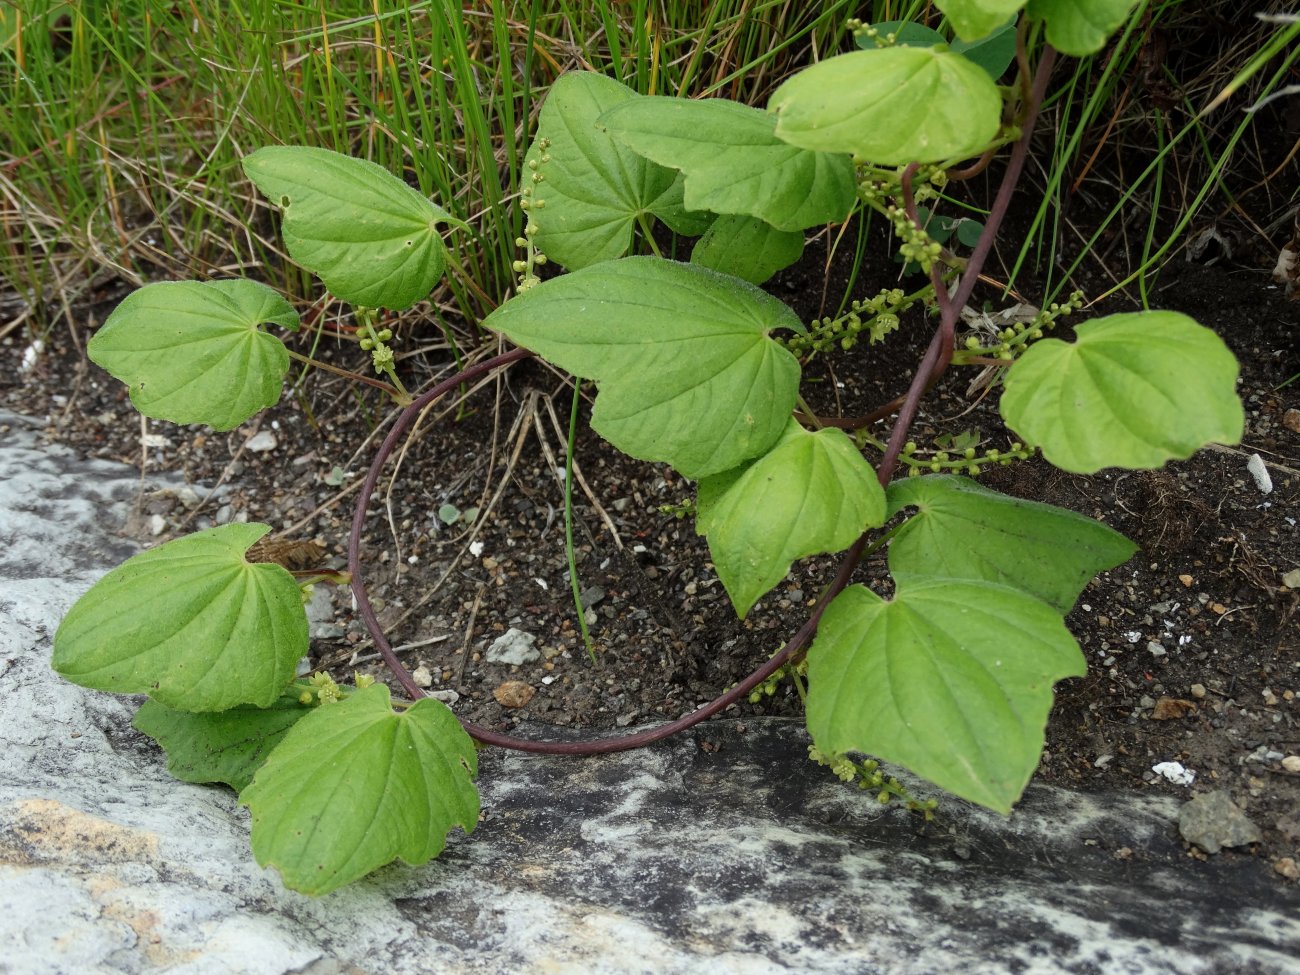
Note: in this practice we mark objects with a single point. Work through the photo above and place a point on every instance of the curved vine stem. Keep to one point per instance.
(932, 366)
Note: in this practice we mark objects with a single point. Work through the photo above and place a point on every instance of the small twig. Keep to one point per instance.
(469, 633)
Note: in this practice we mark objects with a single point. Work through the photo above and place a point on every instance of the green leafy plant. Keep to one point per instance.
(697, 367)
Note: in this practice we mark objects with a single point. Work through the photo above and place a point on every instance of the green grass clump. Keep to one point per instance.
(123, 124)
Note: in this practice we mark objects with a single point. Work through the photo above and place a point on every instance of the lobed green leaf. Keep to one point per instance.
(964, 531)
(747, 248)
(993, 52)
(732, 161)
(192, 352)
(952, 679)
(907, 33)
(372, 239)
(811, 493)
(191, 623)
(221, 746)
(686, 371)
(1135, 390)
(355, 785)
(973, 20)
(1080, 27)
(593, 189)
(890, 106)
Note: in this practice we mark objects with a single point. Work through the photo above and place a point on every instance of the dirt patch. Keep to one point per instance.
(1193, 646)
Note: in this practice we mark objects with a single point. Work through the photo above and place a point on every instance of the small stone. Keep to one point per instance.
(592, 595)
(1170, 708)
(1269, 697)
(1198, 691)
(1291, 420)
(1186, 580)
(1259, 471)
(157, 524)
(1156, 649)
(261, 442)
(1213, 821)
(1218, 608)
(1175, 772)
(1288, 868)
(446, 695)
(1291, 763)
(1292, 579)
(422, 676)
(513, 647)
(514, 694)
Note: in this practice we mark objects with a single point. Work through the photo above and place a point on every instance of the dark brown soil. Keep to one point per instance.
(1193, 646)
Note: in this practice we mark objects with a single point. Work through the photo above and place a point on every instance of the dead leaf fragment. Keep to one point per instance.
(514, 694)
(1287, 272)
(1170, 708)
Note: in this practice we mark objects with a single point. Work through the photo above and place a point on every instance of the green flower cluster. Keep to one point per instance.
(873, 317)
(1014, 339)
(868, 776)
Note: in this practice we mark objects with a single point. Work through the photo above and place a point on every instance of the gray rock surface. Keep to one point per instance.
(1213, 821)
(721, 852)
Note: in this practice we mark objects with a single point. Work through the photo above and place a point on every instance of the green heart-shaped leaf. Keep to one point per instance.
(372, 239)
(190, 623)
(219, 746)
(951, 679)
(1080, 27)
(891, 106)
(993, 52)
(811, 493)
(355, 785)
(733, 162)
(747, 248)
(975, 19)
(593, 189)
(192, 352)
(907, 33)
(965, 531)
(1134, 390)
(681, 354)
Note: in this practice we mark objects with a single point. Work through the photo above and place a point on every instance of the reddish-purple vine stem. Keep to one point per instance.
(404, 420)
(939, 354)
(932, 366)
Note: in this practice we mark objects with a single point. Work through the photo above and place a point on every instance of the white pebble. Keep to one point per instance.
(1259, 471)
(1174, 772)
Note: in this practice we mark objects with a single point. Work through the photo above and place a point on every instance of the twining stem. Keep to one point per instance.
(400, 426)
(931, 367)
(939, 354)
